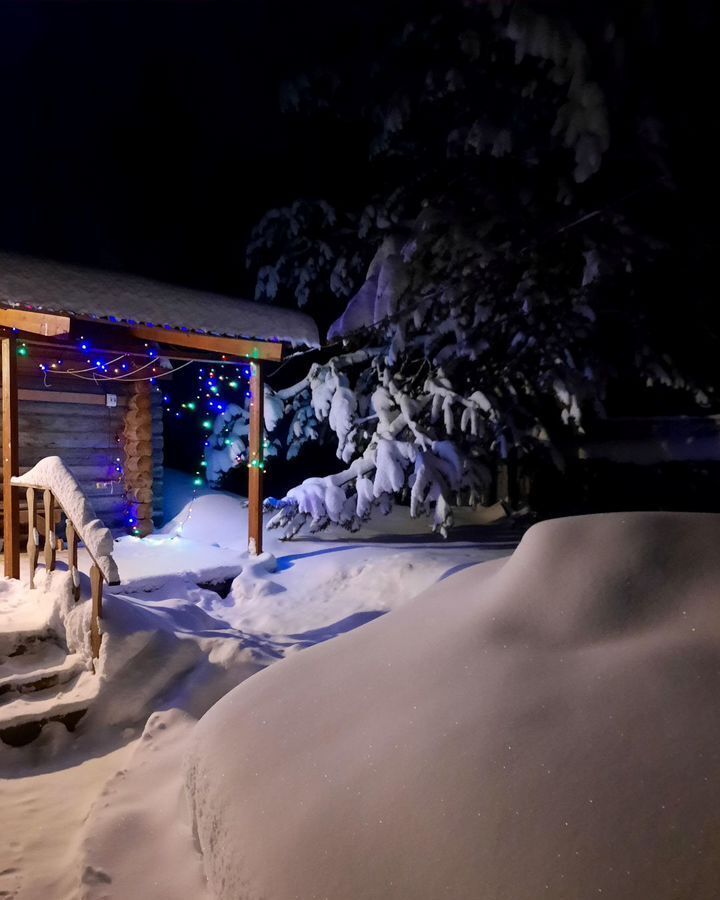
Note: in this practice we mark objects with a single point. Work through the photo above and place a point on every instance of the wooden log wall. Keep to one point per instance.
(137, 442)
(66, 416)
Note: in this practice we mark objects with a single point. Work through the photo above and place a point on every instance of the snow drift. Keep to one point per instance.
(545, 726)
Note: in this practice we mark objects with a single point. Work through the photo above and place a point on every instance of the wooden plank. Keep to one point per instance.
(55, 441)
(96, 587)
(88, 410)
(238, 348)
(34, 381)
(59, 423)
(59, 420)
(33, 550)
(34, 322)
(48, 395)
(10, 466)
(101, 456)
(256, 462)
(50, 545)
(72, 541)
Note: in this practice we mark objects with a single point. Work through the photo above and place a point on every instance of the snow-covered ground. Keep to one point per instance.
(540, 723)
(541, 726)
(100, 813)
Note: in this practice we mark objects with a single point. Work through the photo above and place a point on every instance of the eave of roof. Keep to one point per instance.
(47, 286)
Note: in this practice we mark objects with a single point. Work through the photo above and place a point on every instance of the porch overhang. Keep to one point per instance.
(52, 329)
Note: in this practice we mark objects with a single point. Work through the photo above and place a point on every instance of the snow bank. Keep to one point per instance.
(543, 726)
(214, 518)
(51, 472)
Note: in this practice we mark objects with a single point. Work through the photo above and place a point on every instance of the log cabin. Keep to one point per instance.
(79, 347)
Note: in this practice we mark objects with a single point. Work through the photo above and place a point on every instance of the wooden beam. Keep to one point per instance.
(35, 322)
(108, 338)
(48, 395)
(256, 460)
(239, 348)
(10, 445)
(137, 435)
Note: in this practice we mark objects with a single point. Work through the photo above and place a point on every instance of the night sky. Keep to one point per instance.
(148, 137)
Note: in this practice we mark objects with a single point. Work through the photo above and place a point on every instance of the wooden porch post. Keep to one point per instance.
(137, 432)
(11, 500)
(256, 460)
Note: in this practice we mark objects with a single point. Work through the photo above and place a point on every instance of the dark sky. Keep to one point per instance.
(148, 137)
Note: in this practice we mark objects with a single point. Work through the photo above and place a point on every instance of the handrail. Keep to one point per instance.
(50, 501)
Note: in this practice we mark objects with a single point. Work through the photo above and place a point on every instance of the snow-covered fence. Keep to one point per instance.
(55, 482)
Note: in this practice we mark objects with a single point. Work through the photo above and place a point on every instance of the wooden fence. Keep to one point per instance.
(50, 506)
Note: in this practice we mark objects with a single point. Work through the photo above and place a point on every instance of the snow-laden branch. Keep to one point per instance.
(343, 361)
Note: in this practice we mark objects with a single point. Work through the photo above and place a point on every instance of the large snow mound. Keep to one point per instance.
(545, 726)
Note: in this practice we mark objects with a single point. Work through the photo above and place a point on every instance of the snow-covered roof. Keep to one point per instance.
(29, 283)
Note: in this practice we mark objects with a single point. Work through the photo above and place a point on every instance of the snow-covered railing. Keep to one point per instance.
(59, 488)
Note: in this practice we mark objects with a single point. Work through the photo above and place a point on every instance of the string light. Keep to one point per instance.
(215, 387)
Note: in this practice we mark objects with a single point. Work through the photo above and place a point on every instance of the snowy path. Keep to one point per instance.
(42, 818)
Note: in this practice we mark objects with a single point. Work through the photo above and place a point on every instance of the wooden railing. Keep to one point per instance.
(49, 505)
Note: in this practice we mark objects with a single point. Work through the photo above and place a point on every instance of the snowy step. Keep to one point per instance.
(32, 652)
(17, 643)
(23, 674)
(22, 719)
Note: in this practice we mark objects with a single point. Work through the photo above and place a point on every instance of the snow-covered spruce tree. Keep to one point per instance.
(504, 285)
